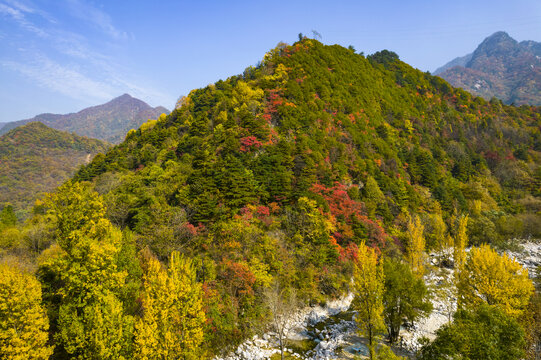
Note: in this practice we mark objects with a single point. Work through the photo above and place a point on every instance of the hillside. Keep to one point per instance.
(35, 159)
(280, 173)
(109, 122)
(499, 67)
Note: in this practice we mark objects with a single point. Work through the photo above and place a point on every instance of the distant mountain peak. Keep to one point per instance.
(110, 121)
(499, 67)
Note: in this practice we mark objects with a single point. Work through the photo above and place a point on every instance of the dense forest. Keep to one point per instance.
(35, 159)
(317, 172)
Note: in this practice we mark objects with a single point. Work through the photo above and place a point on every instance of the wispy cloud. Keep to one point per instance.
(66, 62)
(17, 13)
(97, 17)
(62, 79)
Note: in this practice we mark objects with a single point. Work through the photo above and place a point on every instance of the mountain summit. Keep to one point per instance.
(501, 67)
(110, 121)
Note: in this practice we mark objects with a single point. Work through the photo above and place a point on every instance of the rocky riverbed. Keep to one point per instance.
(330, 331)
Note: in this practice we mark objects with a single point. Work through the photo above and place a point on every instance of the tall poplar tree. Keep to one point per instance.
(416, 246)
(368, 285)
(172, 323)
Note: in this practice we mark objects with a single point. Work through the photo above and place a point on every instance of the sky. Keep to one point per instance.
(60, 56)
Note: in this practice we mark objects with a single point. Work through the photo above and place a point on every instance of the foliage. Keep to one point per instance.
(282, 174)
(23, 322)
(35, 159)
(84, 276)
(368, 285)
(172, 320)
(495, 280)
(405, 298)
(416, 246)
(484, 333)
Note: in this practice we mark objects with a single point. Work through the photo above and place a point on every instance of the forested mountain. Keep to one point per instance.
(275, 182)
(500, 67)
(109, 122)
(35, 159)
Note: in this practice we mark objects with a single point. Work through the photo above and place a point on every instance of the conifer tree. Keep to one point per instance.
(368, 285)
(172, 323)
(23, 322)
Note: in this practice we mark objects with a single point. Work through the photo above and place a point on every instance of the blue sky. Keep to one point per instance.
(60, 56)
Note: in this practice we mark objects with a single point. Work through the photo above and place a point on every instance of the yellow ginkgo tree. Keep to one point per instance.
(23, 322)
(171, 326)
(495, 280)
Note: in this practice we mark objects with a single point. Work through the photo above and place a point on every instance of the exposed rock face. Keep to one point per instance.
(500, 67)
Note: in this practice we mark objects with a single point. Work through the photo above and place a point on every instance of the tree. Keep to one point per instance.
(282, 305)
(172, 322)
(7, 217)
(416, 246)
(368, 285)
(460, 243)
(23, 322)
(374, 196)
(482, 334)
(405, 297)
(439, 240)
(494, 280)
(84, 277)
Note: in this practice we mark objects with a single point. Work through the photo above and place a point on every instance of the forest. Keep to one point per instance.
(317, 172)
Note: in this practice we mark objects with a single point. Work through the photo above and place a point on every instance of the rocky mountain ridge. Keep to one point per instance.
(500, 67)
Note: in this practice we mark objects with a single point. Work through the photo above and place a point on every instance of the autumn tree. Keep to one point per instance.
(282, 304)
(495, 280)
(373, 195)
(368, 282)
(460, 243)
(405, 297)
(416, 246)
(171, 326)
(81, 272)
(23, 322)
(485, 332)
(439, 240)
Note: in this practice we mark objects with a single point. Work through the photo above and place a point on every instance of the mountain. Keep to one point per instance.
(280, 174)
(459, 61)
(35, 159)
(499, 67)
(109, 122)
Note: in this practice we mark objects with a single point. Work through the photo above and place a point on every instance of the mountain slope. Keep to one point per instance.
(500, 67)
(35, 159)
(109, 122)
(279, 174)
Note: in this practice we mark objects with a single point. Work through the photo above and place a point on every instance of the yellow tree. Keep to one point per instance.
(496, 280)
(416, 246)
(81, 272)
(369, 287)
(172, 323)
(460, 243)
(23, 323)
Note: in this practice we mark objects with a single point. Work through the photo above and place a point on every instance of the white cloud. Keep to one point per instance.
(64, 61)
(62, 79)
(97, 17)
(18, 14)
